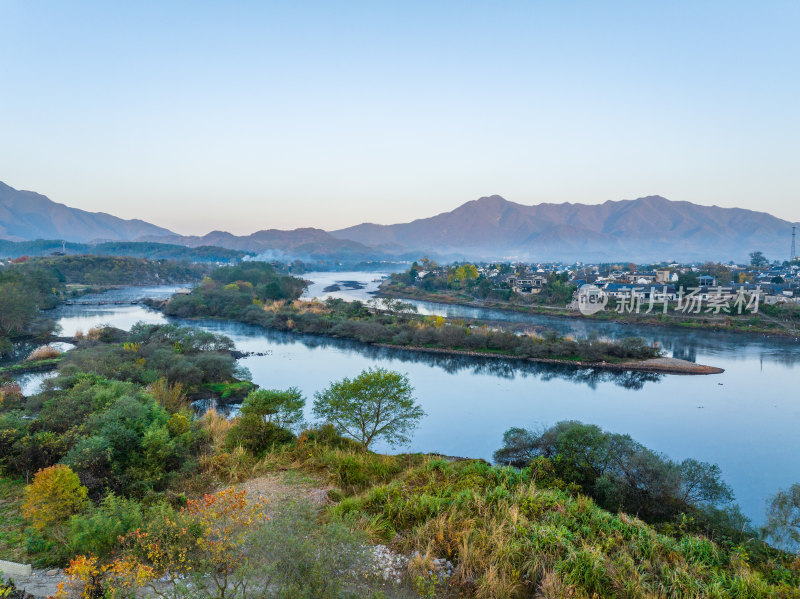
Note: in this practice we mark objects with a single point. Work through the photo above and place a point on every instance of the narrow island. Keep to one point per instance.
(254, 293)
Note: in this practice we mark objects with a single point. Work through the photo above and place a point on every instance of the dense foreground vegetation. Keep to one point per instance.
(111, 473)
(124, 486)
(257, 295)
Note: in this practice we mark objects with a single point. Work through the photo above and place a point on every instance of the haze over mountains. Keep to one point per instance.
(645, 229)
(306, 243)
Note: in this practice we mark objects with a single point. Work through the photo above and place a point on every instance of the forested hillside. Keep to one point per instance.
(134, 249)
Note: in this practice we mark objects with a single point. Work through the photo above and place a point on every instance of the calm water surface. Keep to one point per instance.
(747, 420)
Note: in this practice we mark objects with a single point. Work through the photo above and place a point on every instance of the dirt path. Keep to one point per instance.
(275, 489)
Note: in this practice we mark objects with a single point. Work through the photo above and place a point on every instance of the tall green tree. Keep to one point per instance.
(378, 403)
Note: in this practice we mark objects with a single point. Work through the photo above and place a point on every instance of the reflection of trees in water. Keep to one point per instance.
(593, 376)
(450, 363)
(684, 352)
(734, 346)
(19, 351)
(786, 358)
(682, 344)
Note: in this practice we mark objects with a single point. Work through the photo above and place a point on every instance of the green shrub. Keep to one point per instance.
(512, 538)
(98, 530)
(256, 436)
(615, 470)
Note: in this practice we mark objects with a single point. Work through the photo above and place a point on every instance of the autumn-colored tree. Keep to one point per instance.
(204, 541)
(89, 578)
(55, 494)
(10, 396)
(198, 551)
(465, 272)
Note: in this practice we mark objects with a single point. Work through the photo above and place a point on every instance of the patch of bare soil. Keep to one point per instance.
(286, 487)
(676, 366)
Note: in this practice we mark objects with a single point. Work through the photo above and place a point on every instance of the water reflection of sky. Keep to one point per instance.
(321, 280)
(746, 419)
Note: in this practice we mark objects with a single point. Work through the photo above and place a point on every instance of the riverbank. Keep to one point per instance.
(753, 325)
(32, 366)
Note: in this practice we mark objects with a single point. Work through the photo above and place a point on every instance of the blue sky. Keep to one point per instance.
(250, 115)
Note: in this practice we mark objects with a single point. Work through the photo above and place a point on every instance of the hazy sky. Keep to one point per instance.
(251, 115)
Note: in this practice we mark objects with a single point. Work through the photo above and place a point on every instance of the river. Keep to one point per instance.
(747, 419)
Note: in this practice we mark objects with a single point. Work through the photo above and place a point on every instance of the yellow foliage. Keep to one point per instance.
(55, 494)
(131, 347)
(274, 306)
(179, 424)
(313, 306)
(171, 396)
(217, 427)
(89, 579)
(436, 321)
(207, 537)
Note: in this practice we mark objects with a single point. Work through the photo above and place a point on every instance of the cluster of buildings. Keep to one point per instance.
(778, 284)
(775, 284)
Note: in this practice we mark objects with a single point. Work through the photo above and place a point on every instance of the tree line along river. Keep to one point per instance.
(747, 419)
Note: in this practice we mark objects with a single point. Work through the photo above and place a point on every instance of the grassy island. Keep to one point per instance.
(257, 295)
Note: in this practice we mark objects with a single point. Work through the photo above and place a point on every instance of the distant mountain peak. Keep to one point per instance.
(494, 200)
(647, 228)
(487, 202)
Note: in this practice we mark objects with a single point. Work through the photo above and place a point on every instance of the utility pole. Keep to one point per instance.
(794, 248)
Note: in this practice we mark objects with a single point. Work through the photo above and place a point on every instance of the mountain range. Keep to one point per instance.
(26, 215)
(648, 228)
(645, 229)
